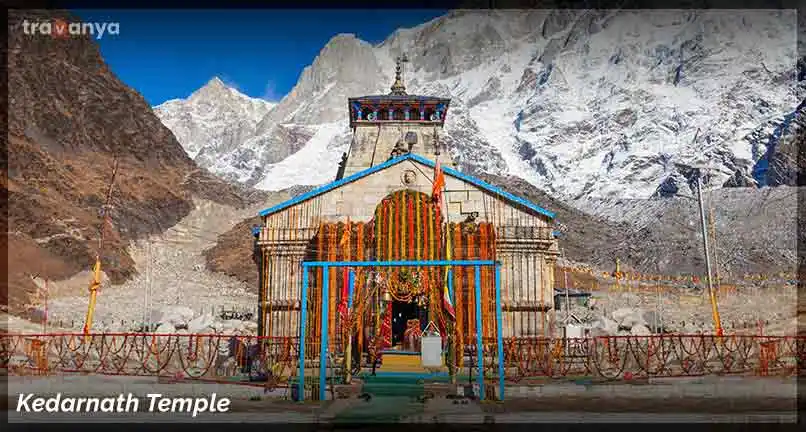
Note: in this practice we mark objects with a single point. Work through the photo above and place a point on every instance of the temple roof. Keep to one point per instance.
(399, 98)
(512, 199)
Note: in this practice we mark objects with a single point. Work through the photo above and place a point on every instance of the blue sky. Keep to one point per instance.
(167, 54)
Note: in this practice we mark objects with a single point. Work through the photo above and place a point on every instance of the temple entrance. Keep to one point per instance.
(404, 315)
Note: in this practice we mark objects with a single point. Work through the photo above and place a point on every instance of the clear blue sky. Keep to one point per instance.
(167, 54)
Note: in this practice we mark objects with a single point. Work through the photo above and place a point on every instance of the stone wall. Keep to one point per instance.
(527, 269)
(373, 143)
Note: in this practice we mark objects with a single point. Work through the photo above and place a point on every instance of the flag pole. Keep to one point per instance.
(449, 324)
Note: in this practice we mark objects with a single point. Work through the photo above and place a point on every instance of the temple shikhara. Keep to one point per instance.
(397, 197)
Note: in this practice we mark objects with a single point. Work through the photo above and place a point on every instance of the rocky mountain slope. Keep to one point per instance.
(579, 103)
(69, 118)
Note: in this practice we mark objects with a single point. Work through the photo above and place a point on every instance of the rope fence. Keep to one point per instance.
(274, 361)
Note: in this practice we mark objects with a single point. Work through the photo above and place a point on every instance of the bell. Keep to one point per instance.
(387, 296)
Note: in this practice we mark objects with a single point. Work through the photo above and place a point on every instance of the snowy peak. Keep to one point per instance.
(345, 67)
(217, 92)
(214, 89)
(214, 119)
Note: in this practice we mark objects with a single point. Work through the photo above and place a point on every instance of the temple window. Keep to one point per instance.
(428, 113)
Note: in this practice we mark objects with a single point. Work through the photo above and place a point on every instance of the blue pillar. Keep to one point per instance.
(391, 114)
(302, 321)
(499, 331)
(323, 350)
(407, 114)
(479, 345)
(450, 287)
(352, 290)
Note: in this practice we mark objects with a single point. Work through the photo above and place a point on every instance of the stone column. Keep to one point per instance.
(527, 278)
(284, 285)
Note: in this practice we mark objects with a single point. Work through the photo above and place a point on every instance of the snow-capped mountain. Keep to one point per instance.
(579, 103)
(213, 123)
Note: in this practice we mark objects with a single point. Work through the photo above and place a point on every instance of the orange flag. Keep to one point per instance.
(439, 182)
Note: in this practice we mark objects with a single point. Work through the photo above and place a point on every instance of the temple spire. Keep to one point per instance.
(398, 88)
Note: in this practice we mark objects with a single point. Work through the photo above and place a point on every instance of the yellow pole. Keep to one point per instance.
(714, 308)
(94, 285)
(348, 365)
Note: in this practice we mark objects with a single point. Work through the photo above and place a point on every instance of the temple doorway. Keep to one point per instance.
(402, 314)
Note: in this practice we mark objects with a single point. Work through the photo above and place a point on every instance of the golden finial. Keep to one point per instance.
(398, 88)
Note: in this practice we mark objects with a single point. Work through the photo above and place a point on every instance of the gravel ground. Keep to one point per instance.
(690, 311)
(178, 276)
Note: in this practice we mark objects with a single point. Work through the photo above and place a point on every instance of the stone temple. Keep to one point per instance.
(381, 207)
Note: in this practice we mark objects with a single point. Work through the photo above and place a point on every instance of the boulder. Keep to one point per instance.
(652, 320)
(232, 325)
(628, 317)
(172, 315)
(165, 329)
(691, 329)
(202, 324)
(640, 330)
(604, 326)
(619, 315)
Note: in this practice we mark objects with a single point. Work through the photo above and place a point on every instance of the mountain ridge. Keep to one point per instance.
(579, 103)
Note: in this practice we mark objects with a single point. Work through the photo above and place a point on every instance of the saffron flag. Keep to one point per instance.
(439, 184)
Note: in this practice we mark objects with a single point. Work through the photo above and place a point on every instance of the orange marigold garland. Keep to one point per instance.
(410, 211)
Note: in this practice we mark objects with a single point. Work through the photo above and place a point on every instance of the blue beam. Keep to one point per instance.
(499, 331)
(302, 321)
(467, 263)
(479, 346)
(323, 350)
